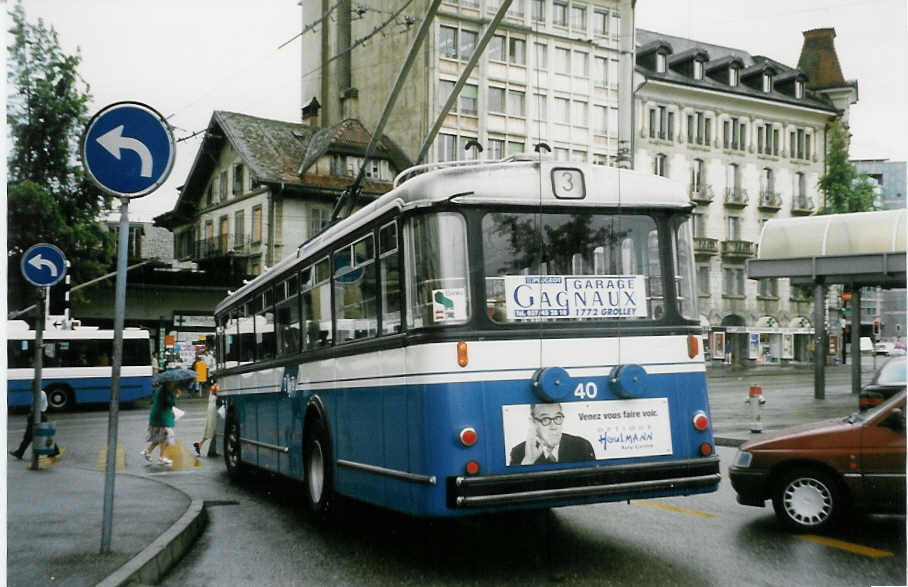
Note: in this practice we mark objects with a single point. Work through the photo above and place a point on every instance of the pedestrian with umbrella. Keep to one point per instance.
(160, 420)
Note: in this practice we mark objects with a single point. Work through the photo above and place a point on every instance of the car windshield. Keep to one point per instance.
(859, 417)
(892, 373)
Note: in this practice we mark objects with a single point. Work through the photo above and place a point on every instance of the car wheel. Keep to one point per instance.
(59, 398)
(807, 500)
(318, 469)
(233, 448)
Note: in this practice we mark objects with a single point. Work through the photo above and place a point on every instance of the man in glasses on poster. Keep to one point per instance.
(546, 443)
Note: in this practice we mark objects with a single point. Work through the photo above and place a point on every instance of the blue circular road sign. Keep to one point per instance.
(128, 149)
(43, 265)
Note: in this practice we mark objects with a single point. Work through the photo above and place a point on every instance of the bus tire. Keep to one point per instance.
(233, 451)
(59, 398)
(319, 473)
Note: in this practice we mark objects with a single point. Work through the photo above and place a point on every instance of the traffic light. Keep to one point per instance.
(876, 330)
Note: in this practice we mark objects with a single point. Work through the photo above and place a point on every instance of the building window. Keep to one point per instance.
(698, 69)
(800, 189)
(578, 156)
(660, 62)
(496, 100)
(517, 9)
(495, 50)
(542, 56)
(257, 224)
(447, 42)
(467, 44)
(600, 72)
(559, 14)
(563, 60)
(699, 128)
(581, 66)
(733, 76)
(239, 229)
(238, 180)
(697, 171)
(579, 116)
(562, 154)
(542, 111)
(516, 147)
(733, 228)
(223, 234)
(472, 153)
(733, 281)
(515, 103)
(600, 23)
(209, 195)
(767, 182)
(222, 193)
(468, 99)
(318, 219)
(445, 87)
(562, 110)
(517, 51)
(767, 82)
(800, 135)
(659, 164)
(447, 146)
(600, 120)
(496, 149)
(539, 11)
(769, 288)
(578, 17)
(703, 280)
(733, 179)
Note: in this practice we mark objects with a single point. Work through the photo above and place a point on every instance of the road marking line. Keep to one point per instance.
(674, 508)
(842, 545)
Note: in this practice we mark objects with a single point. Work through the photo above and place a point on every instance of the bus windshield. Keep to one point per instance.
(572, 266)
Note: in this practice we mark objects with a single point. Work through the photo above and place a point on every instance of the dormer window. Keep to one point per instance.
(734, 76)
(660, 63)
(698, 69)
(767, 82)
(799, 89)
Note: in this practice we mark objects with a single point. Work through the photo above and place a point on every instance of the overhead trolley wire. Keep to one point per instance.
(310, 26)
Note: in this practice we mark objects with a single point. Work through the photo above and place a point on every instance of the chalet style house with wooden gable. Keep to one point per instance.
(259, 188)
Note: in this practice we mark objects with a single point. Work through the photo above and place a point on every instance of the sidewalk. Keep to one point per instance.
(164, 520)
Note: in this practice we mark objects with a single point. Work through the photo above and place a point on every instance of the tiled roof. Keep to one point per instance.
(349, 136)
(719, 56)
(271, 148)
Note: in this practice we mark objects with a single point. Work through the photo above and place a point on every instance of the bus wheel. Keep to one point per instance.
(59, 398)
(232, 449)
(318, 469)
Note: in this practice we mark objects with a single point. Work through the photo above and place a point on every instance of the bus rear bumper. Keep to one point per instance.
(607, 483)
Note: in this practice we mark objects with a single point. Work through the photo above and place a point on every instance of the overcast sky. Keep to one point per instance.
(187, 58)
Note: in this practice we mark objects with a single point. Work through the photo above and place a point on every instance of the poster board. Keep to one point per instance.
(788, 346)
(719, 346)
(754, 346)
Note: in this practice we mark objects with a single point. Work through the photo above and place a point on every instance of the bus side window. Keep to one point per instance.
(355, 311)
(287, 318)
(389, 260)
(315, 285)
(265, 338)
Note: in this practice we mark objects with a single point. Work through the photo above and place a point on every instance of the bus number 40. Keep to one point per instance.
(587, 390)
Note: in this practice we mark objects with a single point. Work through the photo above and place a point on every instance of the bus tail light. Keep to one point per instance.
(472, 468)
(468, 436)
(462, 358)
(693, 346)
(706, 449)
(701, 421)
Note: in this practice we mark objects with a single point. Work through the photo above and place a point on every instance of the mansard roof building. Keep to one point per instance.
(747, 134)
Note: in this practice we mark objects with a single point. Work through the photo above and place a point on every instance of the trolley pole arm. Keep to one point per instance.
(354, 188)
(455, 93)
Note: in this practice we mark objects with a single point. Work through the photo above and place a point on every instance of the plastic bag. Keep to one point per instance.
(222, 411)
(177, 413)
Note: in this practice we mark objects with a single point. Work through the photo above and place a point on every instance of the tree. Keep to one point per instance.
(845, 189)
(49, 198)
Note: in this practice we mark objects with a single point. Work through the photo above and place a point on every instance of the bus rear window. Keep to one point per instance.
(571, 267)
(438, 288)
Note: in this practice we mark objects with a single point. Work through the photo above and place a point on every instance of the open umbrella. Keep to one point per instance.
(174, 375)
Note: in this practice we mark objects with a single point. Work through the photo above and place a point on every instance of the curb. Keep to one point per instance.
(150, 565)
(725, 441)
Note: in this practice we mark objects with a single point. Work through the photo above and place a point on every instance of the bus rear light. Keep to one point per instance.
(462, 358)
(701, 422)
(472, 468)
(693, 346)
(706, 449)
(468, 436)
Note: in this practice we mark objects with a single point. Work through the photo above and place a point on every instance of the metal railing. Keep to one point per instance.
(736, 248)
(736, 196)
(223, 245)
(705, 245)
(701, 193)
(770, 199)
(802, 205)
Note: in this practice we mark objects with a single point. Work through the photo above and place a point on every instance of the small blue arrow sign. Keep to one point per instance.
(43, 265)
(128, 149)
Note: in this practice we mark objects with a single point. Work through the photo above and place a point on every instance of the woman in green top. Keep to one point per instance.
(160, 420)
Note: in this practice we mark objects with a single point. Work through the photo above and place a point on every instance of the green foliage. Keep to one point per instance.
(845, 189)
(49, 198)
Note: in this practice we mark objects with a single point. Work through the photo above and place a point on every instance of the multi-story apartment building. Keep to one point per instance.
(747, 134)
(553, 73)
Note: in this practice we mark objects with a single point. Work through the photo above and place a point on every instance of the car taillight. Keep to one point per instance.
(468, 436)
(701, 421)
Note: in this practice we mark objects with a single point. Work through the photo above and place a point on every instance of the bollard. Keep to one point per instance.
(756, 400)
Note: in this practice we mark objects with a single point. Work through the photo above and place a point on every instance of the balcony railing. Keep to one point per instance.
(770, 200)
(702, 194)
(802, 206)
(736, 197)
(223, 245)
(736, 248)
(706, 246)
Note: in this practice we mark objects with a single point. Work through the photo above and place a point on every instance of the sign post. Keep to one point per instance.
(43, 265)
(128, 152)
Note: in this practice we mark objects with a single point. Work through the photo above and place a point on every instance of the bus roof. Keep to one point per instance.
(521, 180)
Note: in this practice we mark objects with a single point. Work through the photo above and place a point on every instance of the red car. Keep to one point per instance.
(813, 473)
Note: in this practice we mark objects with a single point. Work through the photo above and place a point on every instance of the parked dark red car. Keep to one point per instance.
(815, 472)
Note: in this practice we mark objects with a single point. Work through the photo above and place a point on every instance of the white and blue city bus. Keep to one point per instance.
(76, 365)
(512, 334)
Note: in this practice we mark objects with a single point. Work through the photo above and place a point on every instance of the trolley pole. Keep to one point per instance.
(38, 362)
(114, 415)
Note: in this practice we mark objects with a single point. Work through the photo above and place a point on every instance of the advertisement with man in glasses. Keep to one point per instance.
(534, 434)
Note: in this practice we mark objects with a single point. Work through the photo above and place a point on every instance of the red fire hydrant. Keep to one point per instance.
(756, 400)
